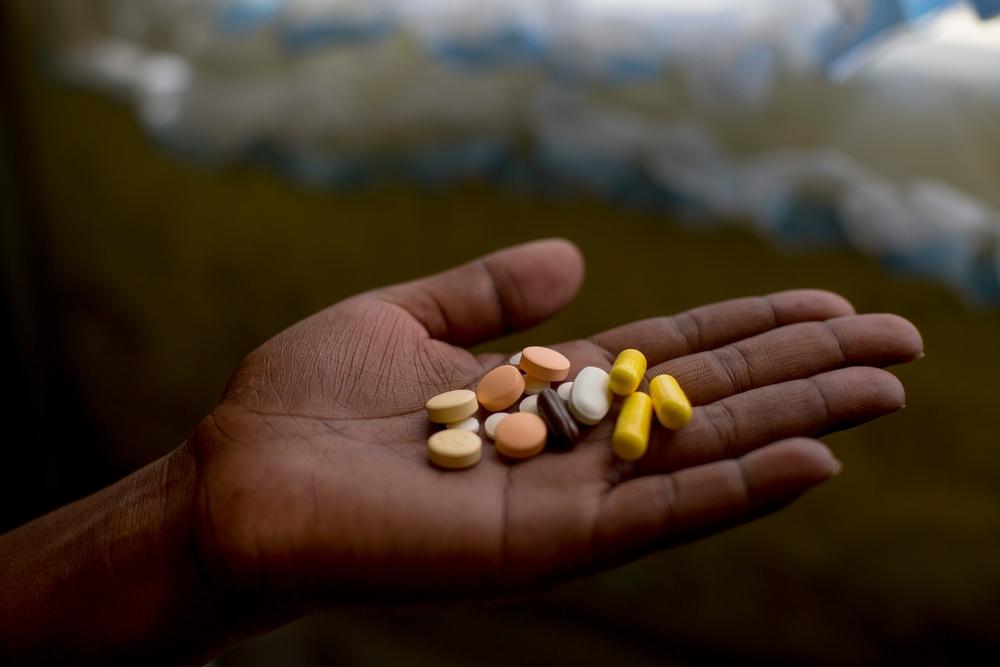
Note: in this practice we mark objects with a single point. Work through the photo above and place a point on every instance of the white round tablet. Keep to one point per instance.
(492, 422)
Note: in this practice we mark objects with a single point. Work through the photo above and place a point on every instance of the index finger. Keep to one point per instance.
(708, 327)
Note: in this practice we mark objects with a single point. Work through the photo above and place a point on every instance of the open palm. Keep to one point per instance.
(314, 486)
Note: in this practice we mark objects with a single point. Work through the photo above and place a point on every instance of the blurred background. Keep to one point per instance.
(181, 180)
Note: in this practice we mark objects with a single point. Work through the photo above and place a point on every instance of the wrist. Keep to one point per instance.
(113, 577)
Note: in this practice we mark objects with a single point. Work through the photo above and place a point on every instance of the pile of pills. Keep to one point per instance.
(548, 416)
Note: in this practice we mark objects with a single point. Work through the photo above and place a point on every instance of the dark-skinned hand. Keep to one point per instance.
(308, 487)
(314, 484)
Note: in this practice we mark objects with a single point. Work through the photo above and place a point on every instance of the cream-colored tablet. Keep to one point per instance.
(470, 424)
(544, 363)
(516, 360)
(564, 389)
(490, 425)
(452, 406)
(521, 436)
(533, 385)
(454, 449)
(529, 404)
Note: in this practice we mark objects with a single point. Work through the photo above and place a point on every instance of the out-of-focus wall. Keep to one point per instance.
(150, 277)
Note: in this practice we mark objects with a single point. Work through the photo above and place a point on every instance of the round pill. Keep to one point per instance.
(533, 385)
(500, 388)
(491, 423)
(529, 404)
(564, 389)
(521, 436)
(516, 360)
(590, 398)
(454, 449)
(452, 406)
(544, 363)
(470, 424)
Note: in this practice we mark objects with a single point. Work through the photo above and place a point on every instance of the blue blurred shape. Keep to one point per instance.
(239, 17)
(987, 8)
(810, 223)
(844, 46)
(507, 45)
(323, 32)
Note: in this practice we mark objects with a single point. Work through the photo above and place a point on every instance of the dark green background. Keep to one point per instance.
(135, 282)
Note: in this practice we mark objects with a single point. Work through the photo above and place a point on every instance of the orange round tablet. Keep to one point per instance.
(521, 435)
(500, 388)
(544, 363)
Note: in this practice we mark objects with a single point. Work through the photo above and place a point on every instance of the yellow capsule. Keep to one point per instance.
(631, 436)
(627, 372)
(673, 409)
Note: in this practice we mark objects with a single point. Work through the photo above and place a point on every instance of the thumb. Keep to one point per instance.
(506, 291)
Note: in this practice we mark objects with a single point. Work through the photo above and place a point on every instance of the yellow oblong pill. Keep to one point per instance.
(631, 436)
(673, 409)
(627, 372)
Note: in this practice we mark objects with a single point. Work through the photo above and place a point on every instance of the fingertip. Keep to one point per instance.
(804, 454)
(781, 471)
(906, 337)
(860, 393)
(813, 304)
(544, 276)
(563, 256)
(888, 391)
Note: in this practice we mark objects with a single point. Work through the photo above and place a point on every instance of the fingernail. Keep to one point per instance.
(921, 355)
(837, 467)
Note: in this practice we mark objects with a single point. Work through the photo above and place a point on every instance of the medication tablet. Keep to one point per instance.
(673, 409)
(631, 436)
(452, 406)
(454, 449)
(491, 424)
(471, 425)
(564, 389)
(563, 430)
(516, 360)
(530, 404)
(500, 388)
(628, 371)
(544, 364)
(521, 436)
(590, 398)
(534, 386)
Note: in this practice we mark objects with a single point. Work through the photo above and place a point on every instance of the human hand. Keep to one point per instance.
(314, 487)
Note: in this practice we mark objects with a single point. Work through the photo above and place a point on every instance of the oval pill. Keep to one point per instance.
(470, 424)
(673, 409)
(563, 430)
(590, 398)
(454, 449)
(490, 426)
(521, 435)
(530, 404)
(533, 385)
(631, 436)
(544, 363)
(564, 389)
(515, 360)
(627, 372)
(452, 406)
(500, 388)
